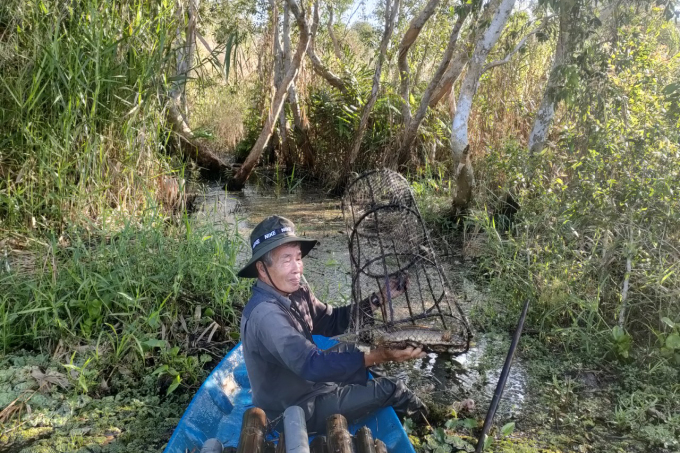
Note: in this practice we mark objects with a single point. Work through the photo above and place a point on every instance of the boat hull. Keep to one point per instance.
(216, 410)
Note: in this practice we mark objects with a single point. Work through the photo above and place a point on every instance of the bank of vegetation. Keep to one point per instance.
(546, 136)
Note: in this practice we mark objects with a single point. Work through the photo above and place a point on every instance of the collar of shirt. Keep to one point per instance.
(268, 289)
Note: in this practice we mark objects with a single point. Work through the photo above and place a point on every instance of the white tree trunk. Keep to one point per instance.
(411, 128)
(460, 147)
(486, 42)
(546, 111)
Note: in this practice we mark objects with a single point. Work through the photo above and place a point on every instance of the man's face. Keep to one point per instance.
(286, 269)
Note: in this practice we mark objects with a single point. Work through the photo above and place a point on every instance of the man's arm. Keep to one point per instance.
(277, 334)
(330, 321)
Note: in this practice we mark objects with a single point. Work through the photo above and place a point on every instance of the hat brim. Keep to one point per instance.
(250, 270)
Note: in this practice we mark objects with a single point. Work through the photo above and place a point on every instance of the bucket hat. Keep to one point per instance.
(269, 234)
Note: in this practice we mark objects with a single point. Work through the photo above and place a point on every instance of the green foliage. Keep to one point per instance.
(604, 197)
(445, 441)
(334, 119)
(81, 102)
(126, 292)
(601, 198)
(670, 341)
(135, 418)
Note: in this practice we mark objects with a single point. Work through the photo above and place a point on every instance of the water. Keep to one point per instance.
(445, 380)
(327, 267)
(438, 379)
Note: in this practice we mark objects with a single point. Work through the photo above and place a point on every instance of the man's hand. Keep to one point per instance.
(382, 355)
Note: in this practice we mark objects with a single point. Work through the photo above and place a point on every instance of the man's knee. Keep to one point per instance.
(391, 388)
(399, 396)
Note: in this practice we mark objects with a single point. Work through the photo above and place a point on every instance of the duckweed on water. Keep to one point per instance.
(53, 419)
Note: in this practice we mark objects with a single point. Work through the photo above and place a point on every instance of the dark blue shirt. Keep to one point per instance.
(284, 365)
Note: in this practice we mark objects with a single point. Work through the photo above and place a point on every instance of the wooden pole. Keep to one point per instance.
(498, 393)
(380, 446)
(319, 445)
(252, 432)
(339, 439)
(364, 440)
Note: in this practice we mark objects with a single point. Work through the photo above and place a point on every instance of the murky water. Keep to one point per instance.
(327, 267)
(446, 380)
(440, 379)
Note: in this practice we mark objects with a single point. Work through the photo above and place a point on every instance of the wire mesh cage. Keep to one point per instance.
(394, 264)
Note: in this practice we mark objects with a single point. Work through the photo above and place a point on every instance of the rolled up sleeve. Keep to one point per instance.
(277, 333)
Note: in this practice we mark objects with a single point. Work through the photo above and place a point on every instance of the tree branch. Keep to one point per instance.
(410, 36)
(391, 9)
(317, 65)
(519, 45)
(331, 33)
(411, 128)
(251, 161)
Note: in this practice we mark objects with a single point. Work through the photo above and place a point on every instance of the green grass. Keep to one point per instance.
(123, 292)
(138, 418)
(81, 108)
(128, 321)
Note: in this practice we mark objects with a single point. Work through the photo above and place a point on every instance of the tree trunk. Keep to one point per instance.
(178, 114)
(407, 41)
(280, 66)
(411, 129)
(391, 9)
(240, 178)
(458, 63)
(546, 111)
(460, 147)
(331, 33)
(461, 56)
(317, 65)
(423, 61)
(299, 118)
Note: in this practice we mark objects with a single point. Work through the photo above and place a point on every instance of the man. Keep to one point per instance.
(284, 365)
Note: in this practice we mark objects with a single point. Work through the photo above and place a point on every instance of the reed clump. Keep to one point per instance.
(138, 296)
(81, 108)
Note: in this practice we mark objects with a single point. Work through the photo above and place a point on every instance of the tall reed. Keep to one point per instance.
(137, 281)
(81, 102)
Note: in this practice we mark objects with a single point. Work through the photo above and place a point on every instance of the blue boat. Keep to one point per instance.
(218, 406)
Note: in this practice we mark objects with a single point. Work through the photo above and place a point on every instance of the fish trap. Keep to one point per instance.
(392, 256)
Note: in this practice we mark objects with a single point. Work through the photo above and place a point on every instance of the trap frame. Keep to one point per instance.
(390, 252)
